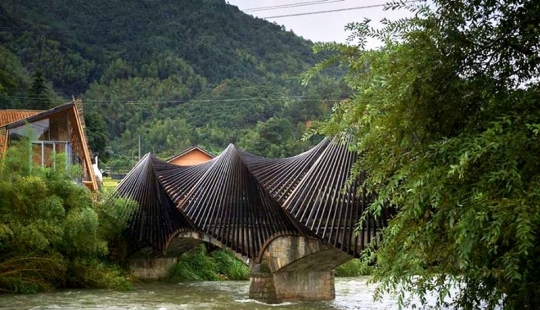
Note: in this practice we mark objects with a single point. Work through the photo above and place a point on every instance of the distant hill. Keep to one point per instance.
(203, 67)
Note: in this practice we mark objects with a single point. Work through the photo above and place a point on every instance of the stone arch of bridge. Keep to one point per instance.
(184, 240)
(300, 253)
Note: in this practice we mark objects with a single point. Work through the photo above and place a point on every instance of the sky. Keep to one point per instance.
(322, 27)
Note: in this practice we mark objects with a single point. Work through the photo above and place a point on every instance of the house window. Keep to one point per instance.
(44, 151)
(48, 137)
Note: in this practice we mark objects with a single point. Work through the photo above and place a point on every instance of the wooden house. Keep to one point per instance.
(58, 130)
(192, 156)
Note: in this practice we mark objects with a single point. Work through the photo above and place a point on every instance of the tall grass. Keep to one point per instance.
(194, 265)
(198, 265)
(91, 272)
(230, 267)
(109, 183)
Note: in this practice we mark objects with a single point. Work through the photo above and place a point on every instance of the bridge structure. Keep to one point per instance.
(292, 220)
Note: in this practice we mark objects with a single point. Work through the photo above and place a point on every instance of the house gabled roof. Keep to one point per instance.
(191, 149)
(38, 115)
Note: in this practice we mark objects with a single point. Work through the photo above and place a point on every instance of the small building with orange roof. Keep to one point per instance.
(193, 156)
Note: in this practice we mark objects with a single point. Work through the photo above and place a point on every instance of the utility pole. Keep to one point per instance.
(139, 147)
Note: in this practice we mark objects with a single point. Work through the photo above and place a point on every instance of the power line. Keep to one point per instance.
(325, 11)
(290, 5)
(333, 11)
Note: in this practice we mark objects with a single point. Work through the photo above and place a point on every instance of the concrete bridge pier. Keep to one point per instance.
(295, 268)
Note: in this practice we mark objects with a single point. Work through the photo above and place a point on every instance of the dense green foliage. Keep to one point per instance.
(39, 94)
(353, 268)
(174, 73)
(52, 232)
(447, 117)
(198, 265)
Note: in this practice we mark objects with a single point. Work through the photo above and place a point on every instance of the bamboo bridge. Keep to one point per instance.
(293, 220)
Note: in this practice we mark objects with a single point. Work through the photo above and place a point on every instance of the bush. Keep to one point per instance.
(197, 265)
(231, 267)
(353, 268)
(92, 272)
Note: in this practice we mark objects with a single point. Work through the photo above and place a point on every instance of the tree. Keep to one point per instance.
(13, 79)
(447, 118)
(96, 131)
(7, 87)
(38, 95)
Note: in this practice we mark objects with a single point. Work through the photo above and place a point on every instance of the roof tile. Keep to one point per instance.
(10, 116)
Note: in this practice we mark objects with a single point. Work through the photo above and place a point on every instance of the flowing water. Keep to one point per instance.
(351, 293)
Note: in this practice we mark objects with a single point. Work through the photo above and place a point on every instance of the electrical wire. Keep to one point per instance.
(331, 11)
(290, 5)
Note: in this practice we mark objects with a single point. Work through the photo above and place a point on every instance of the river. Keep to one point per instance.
(351, 293)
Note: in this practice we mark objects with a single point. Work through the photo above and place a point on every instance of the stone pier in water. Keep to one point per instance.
(295, 268)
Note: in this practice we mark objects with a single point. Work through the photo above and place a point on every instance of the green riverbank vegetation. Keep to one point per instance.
(354, 268)
(199, 265)
(53, 232)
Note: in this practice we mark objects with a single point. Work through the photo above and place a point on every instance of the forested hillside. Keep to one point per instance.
(174, 73)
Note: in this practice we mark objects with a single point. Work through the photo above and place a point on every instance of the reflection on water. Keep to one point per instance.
(351, 293)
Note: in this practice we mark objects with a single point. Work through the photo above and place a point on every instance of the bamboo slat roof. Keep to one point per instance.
(244, 200)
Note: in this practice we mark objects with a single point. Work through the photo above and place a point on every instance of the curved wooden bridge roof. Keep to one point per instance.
(244, 201)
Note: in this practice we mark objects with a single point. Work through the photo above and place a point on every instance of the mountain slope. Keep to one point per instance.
(217, 39)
